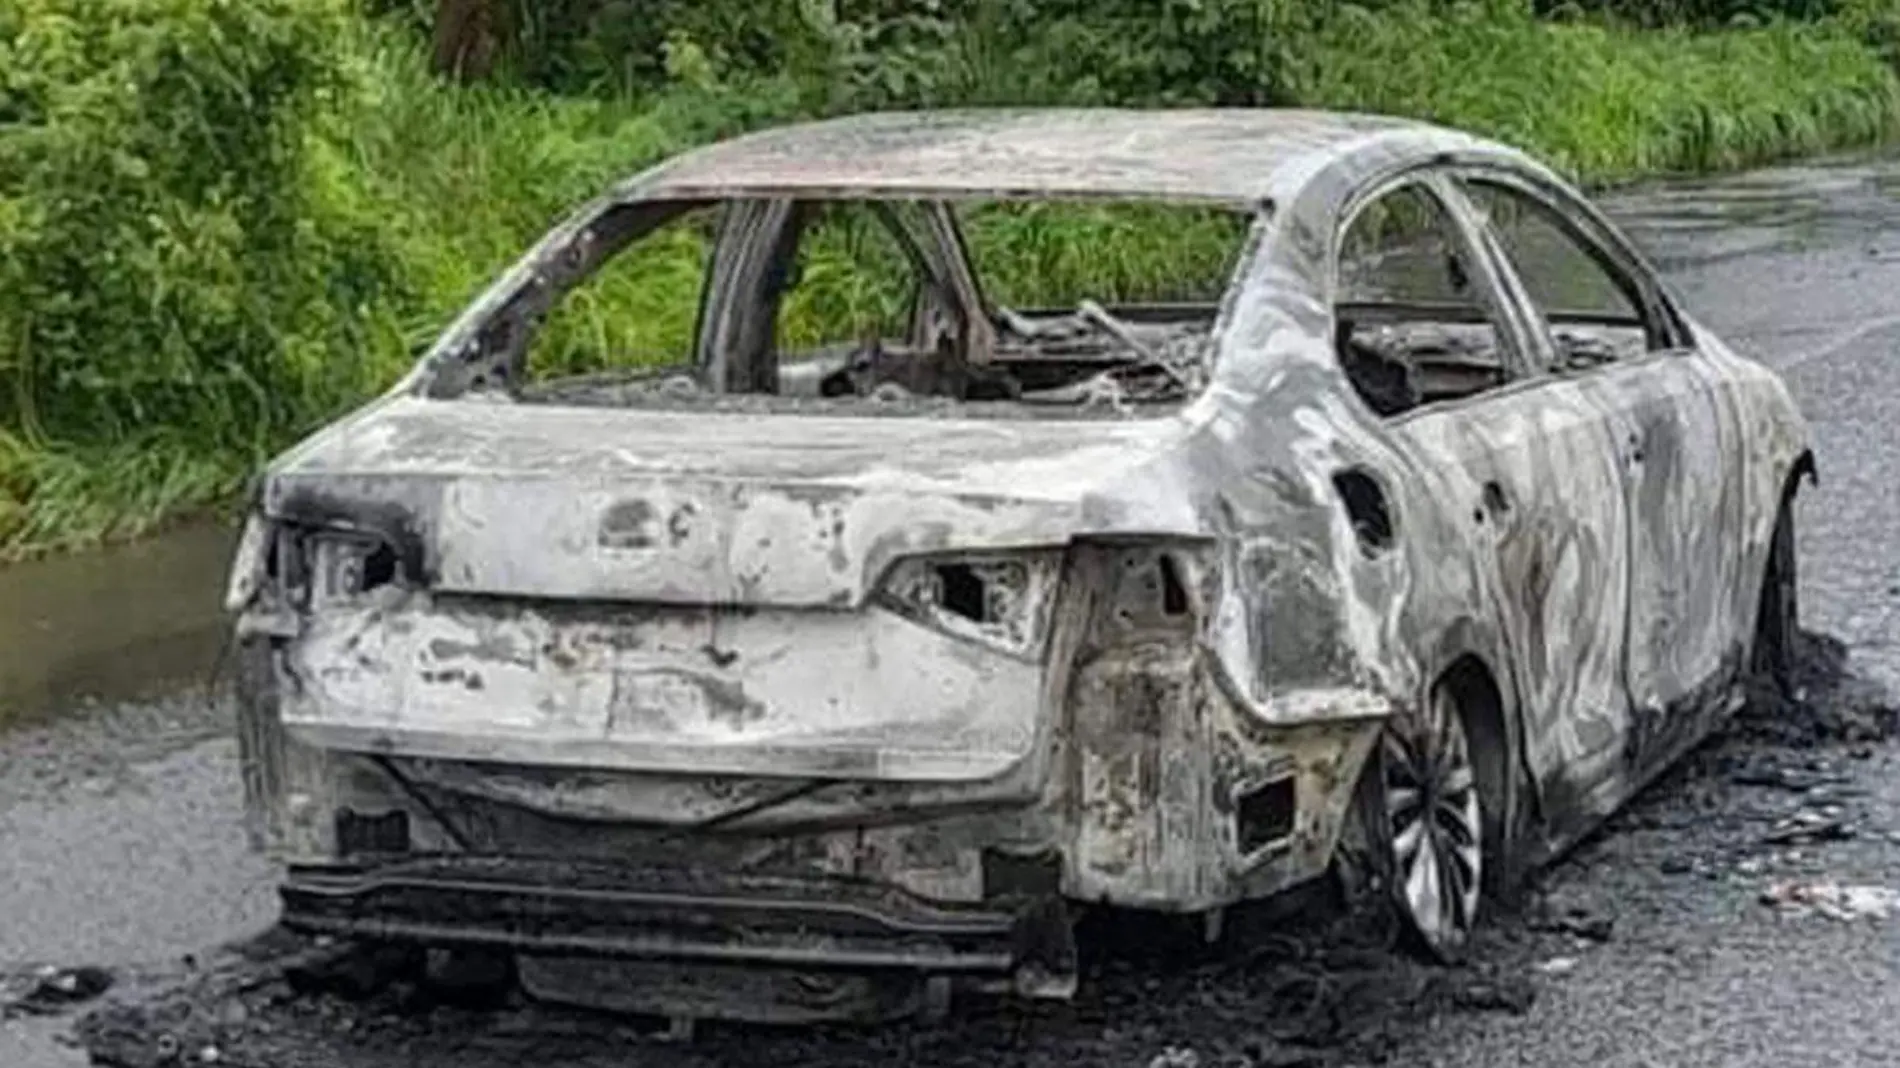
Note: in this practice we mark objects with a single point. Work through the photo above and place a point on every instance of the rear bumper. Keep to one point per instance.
(579, 909)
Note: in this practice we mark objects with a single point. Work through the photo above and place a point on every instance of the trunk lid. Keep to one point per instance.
(695, 508)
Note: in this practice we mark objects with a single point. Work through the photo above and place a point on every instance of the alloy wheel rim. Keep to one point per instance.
(1431, 800)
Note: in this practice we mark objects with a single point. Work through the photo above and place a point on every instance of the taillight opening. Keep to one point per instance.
(346, 566)
(962, 591)
(319, 568)
(1001, 600)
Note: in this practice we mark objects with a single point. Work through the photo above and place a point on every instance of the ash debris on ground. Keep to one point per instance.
(1836, 901)
(50, 989)
(1296, 983)
(1765, 806)
(1825, 701)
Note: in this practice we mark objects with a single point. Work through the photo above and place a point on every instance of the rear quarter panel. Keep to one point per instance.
(1776, 447)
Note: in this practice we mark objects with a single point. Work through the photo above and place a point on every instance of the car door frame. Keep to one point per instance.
(1566, 769)
(1670, 402)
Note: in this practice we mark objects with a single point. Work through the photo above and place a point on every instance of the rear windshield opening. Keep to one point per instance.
(886, 306)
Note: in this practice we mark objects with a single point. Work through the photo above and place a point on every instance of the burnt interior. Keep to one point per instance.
(1416, 316)
(1411, 326)
(1415, 324)
(941, 337)
(1397, 363)
(1042, 375)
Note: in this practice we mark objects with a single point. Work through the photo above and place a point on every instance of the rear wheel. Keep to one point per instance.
(1434, 825)
(1777, 623)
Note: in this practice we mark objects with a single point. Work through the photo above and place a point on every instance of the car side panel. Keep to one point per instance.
(1540, 486)
(1771, 444)
(1678, 457)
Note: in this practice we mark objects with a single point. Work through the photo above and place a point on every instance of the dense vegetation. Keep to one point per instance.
(224, 221)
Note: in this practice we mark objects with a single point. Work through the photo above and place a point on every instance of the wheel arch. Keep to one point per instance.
(1799, 470)
(1489, 730)
(1803, 468)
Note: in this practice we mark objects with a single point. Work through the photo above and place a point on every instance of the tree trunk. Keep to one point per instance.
(466, 38)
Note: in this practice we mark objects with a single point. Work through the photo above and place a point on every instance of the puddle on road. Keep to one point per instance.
(123, 623)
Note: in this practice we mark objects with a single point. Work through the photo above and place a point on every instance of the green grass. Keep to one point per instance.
(1606, 103)
(442, 187)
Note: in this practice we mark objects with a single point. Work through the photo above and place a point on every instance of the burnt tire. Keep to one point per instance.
(1414, 855)
(1434, 826)
(1777, 621)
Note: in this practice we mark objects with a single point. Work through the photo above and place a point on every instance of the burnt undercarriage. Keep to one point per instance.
(615, 921)
(753, 923)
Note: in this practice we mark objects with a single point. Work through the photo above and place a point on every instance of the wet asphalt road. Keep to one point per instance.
(119, 836)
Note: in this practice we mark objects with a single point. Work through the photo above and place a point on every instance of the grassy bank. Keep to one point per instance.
(1607, 104)
(164, 330)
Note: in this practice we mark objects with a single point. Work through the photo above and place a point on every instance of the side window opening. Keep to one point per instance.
(1411, 324)
(869, 267)
(1592, 311)
(637, 312)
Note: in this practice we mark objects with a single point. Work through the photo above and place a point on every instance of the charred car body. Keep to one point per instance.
(1434, 537)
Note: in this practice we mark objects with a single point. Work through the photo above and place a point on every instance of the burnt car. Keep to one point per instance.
(791, 679)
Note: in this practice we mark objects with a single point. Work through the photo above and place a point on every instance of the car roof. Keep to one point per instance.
(1226, 155)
